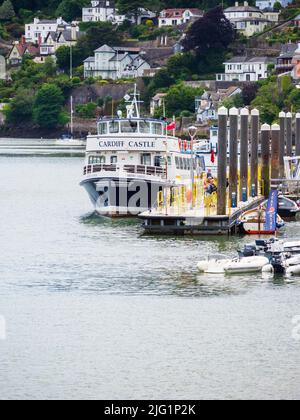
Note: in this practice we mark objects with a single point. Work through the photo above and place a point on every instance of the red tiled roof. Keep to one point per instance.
(173, 13)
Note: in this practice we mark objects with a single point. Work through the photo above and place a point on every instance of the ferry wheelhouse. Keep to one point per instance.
(130, 160)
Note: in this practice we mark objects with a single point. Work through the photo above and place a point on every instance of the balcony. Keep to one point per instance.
(156, 171)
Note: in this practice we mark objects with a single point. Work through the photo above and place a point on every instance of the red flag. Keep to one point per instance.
(171, 126)
(212, 158)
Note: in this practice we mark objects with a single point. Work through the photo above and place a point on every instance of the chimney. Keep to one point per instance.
(23, 40)
(40, 40)
(236, 4)
(246, 4)
(73, 32)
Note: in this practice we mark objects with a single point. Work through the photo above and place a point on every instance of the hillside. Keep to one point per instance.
(71, 9)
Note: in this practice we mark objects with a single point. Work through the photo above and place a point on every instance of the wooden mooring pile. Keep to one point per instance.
(250, 158)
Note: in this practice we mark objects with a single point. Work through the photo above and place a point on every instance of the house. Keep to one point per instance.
(21, 48)
(243, 69)
(63, 37)
(246, 19)
(269, 4)
(2, 68)
(106, 11)
(157, 101)
(272, 16)
(207, 105)
(296, 64)
(116, 63)
(284, 61)
(38, 30)
(177, 17)
(297, 21)
(99, 11)
(2, 116)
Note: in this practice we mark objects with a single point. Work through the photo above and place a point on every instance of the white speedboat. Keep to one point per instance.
(70, 142)
(213, 265)
(246, 265)
(233, 266)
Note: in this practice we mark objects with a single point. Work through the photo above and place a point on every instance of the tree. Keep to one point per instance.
(98, 34)
(71, 9)
(249, 93)
(181, 98)
(132, 7)
(20, 107)
(47, 110)
(7, 11)
(50, 67)
(277, 6)
(268, 101)
(182, 66)
(213, 31)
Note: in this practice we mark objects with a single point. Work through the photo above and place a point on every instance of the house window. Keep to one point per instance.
(113, 160)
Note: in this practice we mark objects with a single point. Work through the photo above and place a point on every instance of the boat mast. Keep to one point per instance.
(133, 109)
(71, 99)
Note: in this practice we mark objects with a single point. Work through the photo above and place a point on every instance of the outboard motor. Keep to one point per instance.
(249, 251)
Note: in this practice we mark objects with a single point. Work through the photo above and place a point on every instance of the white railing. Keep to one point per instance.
(156, 171)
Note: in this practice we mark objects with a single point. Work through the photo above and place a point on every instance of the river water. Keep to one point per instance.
(90, 308)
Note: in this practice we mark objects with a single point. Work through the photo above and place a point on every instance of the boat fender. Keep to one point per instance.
(202, 266)
(268, 269)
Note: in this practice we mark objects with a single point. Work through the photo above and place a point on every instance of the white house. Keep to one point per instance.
(106, 11)
(37, 31)
(2, 68)
(62, 37)
(246, 19)
(207, 105)
(177, 17)
(99, 11)
(116, 63)
(269, 4)
(243, 69)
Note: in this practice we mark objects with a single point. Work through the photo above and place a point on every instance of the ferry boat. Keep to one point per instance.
(130, 160)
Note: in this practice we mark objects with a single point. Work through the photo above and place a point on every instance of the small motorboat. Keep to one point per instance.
(233, 266)
(68, 140)
(287, 208)
(246, 265)
(213, 265)
(254, 222)
(294, 270)
(283, 256)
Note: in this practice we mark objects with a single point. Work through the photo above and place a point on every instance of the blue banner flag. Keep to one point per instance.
(271, 212)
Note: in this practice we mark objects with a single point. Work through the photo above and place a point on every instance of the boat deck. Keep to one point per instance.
(199, 221)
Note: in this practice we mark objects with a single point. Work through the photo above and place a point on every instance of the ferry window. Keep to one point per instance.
(129, 126)
(157, 161)
(157, 128)
(163, 161)
(181, 163)
(97, 160)
(114, 127)
(177, 160)
(113, 160)
(144, 127)
(185, 164)
(146, 159)
(103, 128)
